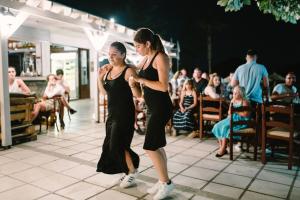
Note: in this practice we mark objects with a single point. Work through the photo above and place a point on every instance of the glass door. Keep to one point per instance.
(84, 83)
(68, 62)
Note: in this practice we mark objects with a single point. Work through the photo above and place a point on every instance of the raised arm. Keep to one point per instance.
(101, 74)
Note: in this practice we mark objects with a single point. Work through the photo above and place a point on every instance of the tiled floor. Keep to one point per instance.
(61, 166)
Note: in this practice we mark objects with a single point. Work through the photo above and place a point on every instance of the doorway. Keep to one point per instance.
(75, 64)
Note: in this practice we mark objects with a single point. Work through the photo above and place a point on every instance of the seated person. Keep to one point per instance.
(221, 129)
(47, 102)
(286, 92)
(16, 85)
(213, 88)
(199, 82)
(183, 118)
(61, 81)
(228, 87)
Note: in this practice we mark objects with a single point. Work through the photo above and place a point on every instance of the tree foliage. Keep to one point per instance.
(286, 10)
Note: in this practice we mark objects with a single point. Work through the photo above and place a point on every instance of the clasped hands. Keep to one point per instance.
(132, 80)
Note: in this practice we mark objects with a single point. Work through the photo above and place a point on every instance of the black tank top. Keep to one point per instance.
(155, 99)
(119, 96)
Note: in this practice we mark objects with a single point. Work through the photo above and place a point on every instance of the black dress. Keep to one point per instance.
(159, 110)
(119, 127)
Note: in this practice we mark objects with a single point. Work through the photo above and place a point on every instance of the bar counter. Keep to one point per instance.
(36, 84)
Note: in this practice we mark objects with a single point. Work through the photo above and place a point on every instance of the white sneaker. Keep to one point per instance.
(128, 180)
(154, 188)
(163, 191)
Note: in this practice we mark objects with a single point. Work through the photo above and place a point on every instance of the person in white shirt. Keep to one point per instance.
(16, 85)
(182, 77)
(47, 103)
(62, 81)
(213, 87)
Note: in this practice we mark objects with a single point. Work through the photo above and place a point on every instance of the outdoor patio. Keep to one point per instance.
(63, 166)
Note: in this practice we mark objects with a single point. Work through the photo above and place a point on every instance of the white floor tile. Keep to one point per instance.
(81, 172)
(7, 183)
(32, 174)
(13, 167)
(80, 191)
(112, 194)
(55, 182)
(223, 190)
(104, 180)
(274, 189)
(60, 165)
(26, 192)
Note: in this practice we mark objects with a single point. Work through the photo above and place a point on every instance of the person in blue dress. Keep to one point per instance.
(222, 128)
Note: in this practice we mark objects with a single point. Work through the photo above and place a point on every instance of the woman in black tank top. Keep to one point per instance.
(153, 77)
(117, 156)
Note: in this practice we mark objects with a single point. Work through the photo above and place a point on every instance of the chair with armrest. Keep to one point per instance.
(278, 127)
(57, 108)
(249, 133)
(210, 110)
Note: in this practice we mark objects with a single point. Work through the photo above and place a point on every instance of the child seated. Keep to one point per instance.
(183, 118)
(221, 129)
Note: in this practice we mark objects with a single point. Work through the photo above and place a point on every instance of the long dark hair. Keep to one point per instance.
(120, 47)
(145, 34)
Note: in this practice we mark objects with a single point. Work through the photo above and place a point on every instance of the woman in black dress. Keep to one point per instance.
(153, 77)
(117, 157)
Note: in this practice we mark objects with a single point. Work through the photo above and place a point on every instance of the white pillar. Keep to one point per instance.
(38, 56)
(97, 40)
(46, 57)
(4, 94)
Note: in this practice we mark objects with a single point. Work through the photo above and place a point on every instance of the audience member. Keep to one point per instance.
(16, 85)
(286, 92)
(213, 88)
(183, 119)
(199, 82)
(222, 128)
(249, 76)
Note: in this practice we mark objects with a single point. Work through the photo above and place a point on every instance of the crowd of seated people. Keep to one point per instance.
(238, 89)
(56, 86)
(216, 87)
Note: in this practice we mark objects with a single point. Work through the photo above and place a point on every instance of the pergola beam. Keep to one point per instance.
(46, 14)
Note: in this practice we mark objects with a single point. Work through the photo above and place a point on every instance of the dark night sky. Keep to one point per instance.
(278, 43)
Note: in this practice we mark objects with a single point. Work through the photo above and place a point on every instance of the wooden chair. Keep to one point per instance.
(250, 133)
(210, 110)
(67, 95)
(57, 108)
(278, 125)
